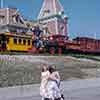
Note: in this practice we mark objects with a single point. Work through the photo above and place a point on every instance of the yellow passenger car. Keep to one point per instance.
(15, 42)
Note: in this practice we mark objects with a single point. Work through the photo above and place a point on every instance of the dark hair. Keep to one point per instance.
(42, 69)
(51, 69)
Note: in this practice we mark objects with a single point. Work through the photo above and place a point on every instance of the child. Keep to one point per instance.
(50, 83)
(44, 79)
(53, 84)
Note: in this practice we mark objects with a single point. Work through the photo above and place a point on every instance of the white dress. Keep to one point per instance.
(53, 90)
(44, 80)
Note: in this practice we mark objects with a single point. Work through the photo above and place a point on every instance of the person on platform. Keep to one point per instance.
(44, 80)
(53, 86)
(50, 84)
(37, 33)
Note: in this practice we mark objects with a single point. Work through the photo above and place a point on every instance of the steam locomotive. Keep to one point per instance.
(53, 44)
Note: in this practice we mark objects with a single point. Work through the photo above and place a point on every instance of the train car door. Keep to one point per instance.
(3, 42)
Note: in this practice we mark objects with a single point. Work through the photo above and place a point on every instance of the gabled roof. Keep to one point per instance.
(49, 8)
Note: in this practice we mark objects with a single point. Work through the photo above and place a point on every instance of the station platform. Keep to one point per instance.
(72, 90)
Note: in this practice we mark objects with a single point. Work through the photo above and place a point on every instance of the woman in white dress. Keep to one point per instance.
(53, 85)
(44, 80)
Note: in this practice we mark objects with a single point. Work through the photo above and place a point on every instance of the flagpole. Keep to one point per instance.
(2, 3)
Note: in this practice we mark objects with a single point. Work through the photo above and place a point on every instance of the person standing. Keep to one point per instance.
(53, 85)
(44, 80)
(50, 84)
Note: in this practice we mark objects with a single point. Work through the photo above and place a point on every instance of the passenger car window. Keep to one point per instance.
(24, 42)
(15, 40)
(20, 41)
(29, 42)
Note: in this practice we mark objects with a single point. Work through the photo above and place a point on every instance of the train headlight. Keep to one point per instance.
(51, 38)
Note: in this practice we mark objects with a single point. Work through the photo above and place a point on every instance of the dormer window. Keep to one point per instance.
(46, 12)
(17, 19)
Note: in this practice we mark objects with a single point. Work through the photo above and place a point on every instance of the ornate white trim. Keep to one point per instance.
(7, 15)
(41, 10)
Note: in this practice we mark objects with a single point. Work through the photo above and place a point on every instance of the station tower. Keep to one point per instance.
(52, 18)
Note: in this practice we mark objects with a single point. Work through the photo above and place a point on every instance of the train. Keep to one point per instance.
(53, 44)
(15, 42)
(21, 35)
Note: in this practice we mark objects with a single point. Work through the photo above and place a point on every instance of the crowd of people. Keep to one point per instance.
(50, 84)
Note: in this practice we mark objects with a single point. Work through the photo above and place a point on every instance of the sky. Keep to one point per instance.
(83, 14)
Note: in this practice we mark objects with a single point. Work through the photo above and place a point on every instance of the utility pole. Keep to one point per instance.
(2, 3)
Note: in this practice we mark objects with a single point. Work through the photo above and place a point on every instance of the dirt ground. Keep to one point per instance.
(25, 69)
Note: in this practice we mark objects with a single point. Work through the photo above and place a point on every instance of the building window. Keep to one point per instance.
(24, 42)
(15, 41)
(1, 19)
(28, 42)
(20, 41)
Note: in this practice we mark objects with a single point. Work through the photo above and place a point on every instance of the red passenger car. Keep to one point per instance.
(88, 45)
